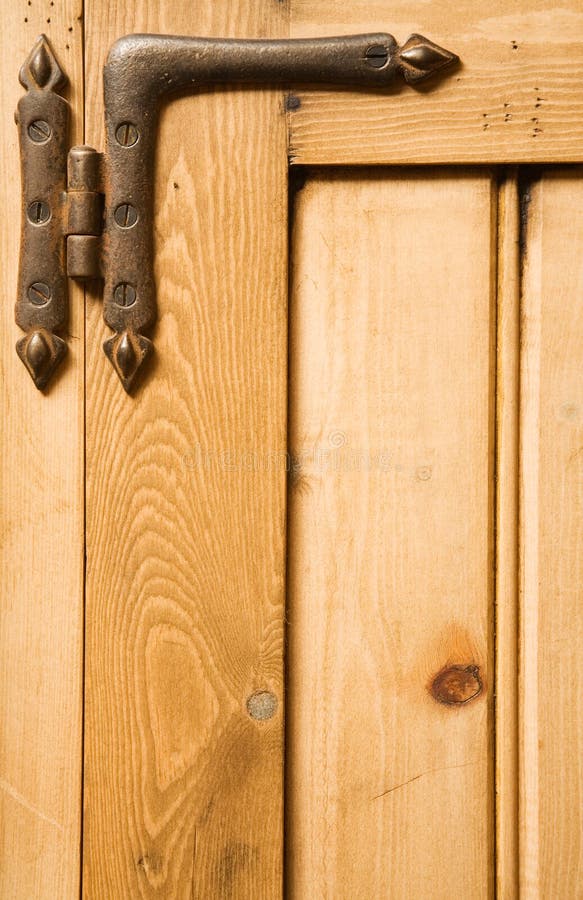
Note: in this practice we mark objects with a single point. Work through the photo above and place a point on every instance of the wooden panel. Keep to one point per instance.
(551, 540)
(516, 97)
(507, 418)
(186, 503)
(390, 793)
(41, 546)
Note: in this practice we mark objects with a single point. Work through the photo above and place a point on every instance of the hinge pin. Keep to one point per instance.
(85, 213)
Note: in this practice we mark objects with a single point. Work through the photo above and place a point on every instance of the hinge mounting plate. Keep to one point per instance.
(76, 203)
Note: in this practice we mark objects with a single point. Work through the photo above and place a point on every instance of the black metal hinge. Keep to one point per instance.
(88, 215)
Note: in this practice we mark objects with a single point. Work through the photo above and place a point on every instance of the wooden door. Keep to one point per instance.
(347, 498)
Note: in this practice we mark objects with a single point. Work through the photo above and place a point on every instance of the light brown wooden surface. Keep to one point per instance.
(41, 542)
(397, 492)
(186, 502)
(506, 609)
(390, 793)
(550, 541)
(515, 98)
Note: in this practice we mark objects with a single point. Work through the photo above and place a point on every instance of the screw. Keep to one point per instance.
(38, 212)
(377, 56)
(125, 215)
(39, 131)
(124, 294)
(39, 293)
(126, 134)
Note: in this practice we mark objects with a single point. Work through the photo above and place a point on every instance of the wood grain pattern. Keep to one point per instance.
(41, 546)
(551, 534)
(392, 323)
(507, 418)
(186, 503)
(516, 97)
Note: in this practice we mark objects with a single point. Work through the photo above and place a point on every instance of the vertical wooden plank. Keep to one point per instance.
(551, 537)
(507, 415)
(390, 792)
(186, 502)
(529, 822)
(41, 515)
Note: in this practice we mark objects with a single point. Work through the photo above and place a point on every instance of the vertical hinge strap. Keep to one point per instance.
(41, 303)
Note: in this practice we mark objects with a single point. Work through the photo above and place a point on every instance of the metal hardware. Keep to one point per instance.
(41, 305)
(139, 72)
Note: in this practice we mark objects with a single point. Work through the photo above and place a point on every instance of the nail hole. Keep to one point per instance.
(292, 102)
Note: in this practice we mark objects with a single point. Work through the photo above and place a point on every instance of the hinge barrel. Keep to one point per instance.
(84, 214)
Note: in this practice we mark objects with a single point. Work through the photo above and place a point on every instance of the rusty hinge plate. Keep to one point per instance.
(108, 199)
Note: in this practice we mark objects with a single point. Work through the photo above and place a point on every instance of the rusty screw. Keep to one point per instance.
(126, 134)
(38, 212)
(39, 293)
(124, 294)
(125, 215)
(377, 56)
(39, 131)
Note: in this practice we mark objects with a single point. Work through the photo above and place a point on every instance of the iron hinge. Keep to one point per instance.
(79, 203)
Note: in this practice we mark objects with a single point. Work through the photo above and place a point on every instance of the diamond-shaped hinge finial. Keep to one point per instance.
(41, 352)
(126, 352)
(41, 70)
(419, 58)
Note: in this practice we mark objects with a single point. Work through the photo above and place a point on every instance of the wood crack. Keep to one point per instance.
(422, 775)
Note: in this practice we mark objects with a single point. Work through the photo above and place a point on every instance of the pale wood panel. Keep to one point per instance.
(390, 793)
(516, 98)
(41, 547)
(507, 416)
(551, 538)
(185, 544)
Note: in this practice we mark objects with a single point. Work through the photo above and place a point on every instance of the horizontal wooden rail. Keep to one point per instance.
(516, 96)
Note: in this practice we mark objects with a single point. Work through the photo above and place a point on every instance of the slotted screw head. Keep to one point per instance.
(38, 212)
(39, 293)
(377, 56)
(124, 294)
(125, 215)
(126, 134)
(39, 131)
